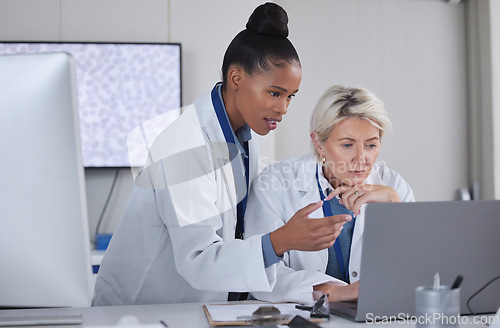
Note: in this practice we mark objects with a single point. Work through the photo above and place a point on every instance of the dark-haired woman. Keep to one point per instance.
(180, 239)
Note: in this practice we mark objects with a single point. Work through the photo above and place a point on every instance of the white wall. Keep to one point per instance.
(412, 53)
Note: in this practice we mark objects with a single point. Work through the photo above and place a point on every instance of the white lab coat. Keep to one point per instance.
(176, 240)
(277, 194)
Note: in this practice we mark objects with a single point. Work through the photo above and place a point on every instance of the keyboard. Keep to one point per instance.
(40, 320)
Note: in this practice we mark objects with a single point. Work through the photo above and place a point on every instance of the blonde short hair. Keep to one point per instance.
(339, 103)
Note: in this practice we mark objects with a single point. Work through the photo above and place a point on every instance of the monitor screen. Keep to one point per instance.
(120, 85)
(44, 237)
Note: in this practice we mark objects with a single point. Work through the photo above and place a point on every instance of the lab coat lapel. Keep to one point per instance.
(307, 186)
(220, 147)
(221, 159)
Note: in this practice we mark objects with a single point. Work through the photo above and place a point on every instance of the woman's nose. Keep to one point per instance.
(282, 107)
(360, 155)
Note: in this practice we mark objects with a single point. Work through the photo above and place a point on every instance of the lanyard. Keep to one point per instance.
(233, 153)
(327, 211)
(242, 206)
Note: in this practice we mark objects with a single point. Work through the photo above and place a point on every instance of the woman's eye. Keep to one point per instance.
(274, 94)
(347, 145)
(291, 96)
(372, 146)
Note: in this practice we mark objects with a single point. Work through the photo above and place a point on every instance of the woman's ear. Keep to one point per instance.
(317, 144)
(234, 76)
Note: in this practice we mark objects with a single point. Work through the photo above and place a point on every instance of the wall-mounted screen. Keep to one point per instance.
(120, 85)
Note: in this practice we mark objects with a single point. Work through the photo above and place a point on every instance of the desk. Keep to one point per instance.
(187, 315)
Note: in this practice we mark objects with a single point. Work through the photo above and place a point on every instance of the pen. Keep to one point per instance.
(317, 310)
(303, 307)
(457, 282)
(436, 281)
(319, 303)
(163, 323)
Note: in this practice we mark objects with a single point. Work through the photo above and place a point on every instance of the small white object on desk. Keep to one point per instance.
(128, 320)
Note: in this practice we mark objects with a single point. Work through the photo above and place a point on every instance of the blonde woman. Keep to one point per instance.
(347, 127)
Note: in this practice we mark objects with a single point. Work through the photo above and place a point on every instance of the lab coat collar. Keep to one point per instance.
(211, 128)
(243, 134)
(305, 182)
(305, 178)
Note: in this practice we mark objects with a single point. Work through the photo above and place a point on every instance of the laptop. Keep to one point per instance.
(406, 244)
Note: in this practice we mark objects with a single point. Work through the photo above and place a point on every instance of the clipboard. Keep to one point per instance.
(213, 323)
(247, 308)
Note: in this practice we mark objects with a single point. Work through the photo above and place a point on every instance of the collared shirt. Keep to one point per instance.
(345, 237)
(345, 240)
(242, 135)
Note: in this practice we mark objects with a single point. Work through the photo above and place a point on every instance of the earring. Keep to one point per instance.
(323, 160)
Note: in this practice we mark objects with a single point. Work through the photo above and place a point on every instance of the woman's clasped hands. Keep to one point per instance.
(353, 197)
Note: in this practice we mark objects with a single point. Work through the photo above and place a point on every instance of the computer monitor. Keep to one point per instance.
(44, 237)
(120, 86)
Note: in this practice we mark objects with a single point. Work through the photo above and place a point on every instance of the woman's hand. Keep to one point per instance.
(339, 293)
(305, 234)
(355, 196)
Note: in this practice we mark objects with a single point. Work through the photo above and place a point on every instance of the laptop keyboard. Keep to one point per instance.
(40, 320)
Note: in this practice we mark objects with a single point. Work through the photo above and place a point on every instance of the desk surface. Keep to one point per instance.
(187, 315)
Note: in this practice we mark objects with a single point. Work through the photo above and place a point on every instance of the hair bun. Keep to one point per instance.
(269, 18)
